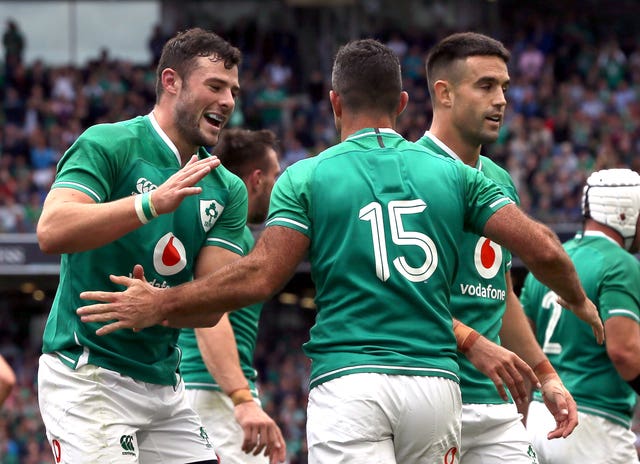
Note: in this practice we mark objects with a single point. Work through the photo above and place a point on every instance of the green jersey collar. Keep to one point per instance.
(371, 132)
(448, 150)
(597, 233)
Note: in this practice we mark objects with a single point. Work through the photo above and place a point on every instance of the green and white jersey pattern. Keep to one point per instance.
(112, 161)
(611, 278)
(245, 328)
(478, 296)
(384, 217)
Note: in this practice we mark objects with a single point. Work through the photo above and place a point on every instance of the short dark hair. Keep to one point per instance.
(241, 150)
(460, 46)
(366, 74)
(180, 53)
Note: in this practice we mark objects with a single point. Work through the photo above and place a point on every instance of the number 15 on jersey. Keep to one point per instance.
(373, 212)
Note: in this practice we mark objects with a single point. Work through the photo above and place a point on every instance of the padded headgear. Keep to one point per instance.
(612, 197)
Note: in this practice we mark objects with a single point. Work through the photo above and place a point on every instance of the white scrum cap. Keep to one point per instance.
(612, 197)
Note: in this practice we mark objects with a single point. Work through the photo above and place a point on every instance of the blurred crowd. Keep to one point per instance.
(573, 107)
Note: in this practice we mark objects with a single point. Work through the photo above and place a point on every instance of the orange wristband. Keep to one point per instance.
(469, 341)
(241, 395)
(544, 369)
(465, 336)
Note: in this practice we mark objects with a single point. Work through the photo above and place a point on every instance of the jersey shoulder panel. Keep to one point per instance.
(500, 176)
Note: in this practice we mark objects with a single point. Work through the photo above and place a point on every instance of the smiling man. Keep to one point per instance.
(380, 219)
(139, 191)
(468, 80)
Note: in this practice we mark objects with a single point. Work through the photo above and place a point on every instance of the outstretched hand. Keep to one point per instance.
(261, 433)
(503, 367)
(135, 308)
(588, 312)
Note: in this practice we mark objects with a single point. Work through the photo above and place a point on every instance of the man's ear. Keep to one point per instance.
(254, 180)
(404, 100)
(170, 81)
(442, 92)
(336, 103)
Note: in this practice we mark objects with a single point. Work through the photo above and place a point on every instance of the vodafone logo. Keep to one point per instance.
(487, 257)
(169, 255)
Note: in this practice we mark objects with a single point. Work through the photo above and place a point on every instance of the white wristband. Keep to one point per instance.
(138, 206)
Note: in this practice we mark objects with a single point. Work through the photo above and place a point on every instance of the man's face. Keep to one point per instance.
(268, 179)
(205, 102)
(479, 99)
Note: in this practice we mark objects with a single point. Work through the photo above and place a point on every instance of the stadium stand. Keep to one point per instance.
(574, 107)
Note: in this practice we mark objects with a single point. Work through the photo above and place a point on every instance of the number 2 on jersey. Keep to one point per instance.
(396, 209)
(549, 301)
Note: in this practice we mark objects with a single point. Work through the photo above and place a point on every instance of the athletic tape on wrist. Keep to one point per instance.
(137, 203)
(544, 369)
(469, 341)
(465, 336)
(146, 206)
(152, 207)
(241, 395)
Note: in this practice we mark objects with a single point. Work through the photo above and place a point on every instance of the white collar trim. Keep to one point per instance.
(448, 150)
(382, 130)
(597, 233)
(165, 137)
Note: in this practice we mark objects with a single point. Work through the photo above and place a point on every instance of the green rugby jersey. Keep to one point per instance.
(478, 295)
(112, 161)
(245, 328)
(384, 217)
(611, 278)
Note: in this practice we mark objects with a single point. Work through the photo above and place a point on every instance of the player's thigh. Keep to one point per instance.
(493, 434)
(216, 411)
(86, 420)
(426, 413)
(594, 440)
(96, 415)
(345, 423)
(176, 435)
(539, 423)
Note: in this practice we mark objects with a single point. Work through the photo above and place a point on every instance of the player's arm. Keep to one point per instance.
(252, 279)
(516, 335)
(217, 343)
(72, 221)
(220, 354)
(502, 366)
(7, 380)
(623, 348)
(542, 253)
(210, 259)
(249, 280)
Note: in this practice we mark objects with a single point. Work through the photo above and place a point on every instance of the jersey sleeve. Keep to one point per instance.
(620, 290)
(228, 231)
(290, 205)
(91, 164)
(483, 198)
(510, 190)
